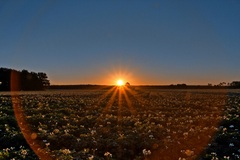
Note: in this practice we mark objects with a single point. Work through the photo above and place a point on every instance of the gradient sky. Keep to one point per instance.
(143, 42)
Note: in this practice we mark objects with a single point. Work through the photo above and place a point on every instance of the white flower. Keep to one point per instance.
(214, 154)
(224, 129)
(231, 145)
(86, 150)
(107, 154)
(24, 152)
(226, 157)
(146, 152)
(189, 152)
(151, 136)
(66, 151)
(91, 157)
(93, 132)
(56, 131)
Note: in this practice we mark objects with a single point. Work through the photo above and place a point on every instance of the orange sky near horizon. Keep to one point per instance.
(135, 79)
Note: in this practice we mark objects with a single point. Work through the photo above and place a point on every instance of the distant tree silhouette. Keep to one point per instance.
(181, 85)
(22, 80)
(127, 84)
(210, 84)
(235, 84)
(5, 75)
(222, 84)
(44, 79)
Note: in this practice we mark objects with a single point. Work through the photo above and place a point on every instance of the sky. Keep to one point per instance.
(140, 41)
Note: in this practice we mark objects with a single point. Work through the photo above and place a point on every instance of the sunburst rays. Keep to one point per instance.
(119, 106)
(129, 103)
(120, 97)
(105, 95)
(111, 100)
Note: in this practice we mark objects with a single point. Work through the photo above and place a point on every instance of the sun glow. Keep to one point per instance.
(120, 82)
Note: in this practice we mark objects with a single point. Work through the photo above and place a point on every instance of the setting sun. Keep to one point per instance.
(120, 82)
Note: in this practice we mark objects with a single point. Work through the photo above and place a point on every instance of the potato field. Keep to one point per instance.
(120, 123)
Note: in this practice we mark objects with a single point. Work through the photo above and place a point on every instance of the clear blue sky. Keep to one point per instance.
(143, 42)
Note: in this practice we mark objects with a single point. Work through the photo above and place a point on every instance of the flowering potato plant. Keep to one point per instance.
(120, 124)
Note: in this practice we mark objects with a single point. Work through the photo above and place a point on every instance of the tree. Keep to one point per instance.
(5, 75)
(127, 84)
(44, 79)
(11, 79)
(235, 84)
(210, 84)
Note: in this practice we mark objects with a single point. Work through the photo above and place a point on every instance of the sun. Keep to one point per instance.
(120, 83)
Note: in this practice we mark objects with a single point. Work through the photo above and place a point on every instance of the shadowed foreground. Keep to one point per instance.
(123, 123)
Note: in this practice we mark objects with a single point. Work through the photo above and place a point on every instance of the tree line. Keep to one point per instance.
(13, 80)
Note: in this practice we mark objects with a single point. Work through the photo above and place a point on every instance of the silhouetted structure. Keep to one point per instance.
(11, 79)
